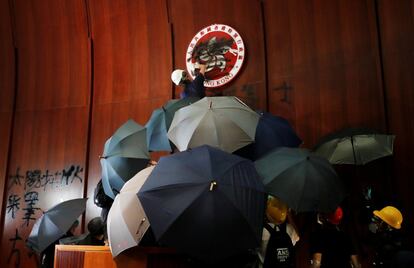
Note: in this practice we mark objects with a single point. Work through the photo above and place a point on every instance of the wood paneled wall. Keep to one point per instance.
(50, 129)
(7, 88)
(84, 67)
(132, 50)
(396, 24)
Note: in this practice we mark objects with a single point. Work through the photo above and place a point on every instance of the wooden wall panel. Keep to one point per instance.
(132, 65)
(7, 85)
(189, 17)
(324, 75)
(49, 139)
(397, 39)
(327, 53)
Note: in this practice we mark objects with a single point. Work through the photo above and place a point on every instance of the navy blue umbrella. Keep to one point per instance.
(205, 202)
(272, 131)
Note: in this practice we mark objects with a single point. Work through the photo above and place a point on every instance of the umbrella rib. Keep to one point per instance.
(174, 186)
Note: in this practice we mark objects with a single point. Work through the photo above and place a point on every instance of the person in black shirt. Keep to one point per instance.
(278, 250)
(47, 257)
(193, 88)
(96, 228)
(387, 239)
(330, 246)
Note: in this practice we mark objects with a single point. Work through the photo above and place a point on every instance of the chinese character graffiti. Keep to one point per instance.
(15, 179)
(38, 179)
(31, 198)
(15, 252)
(13, 204)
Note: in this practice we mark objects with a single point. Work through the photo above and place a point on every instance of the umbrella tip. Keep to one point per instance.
(211, 103)
(213, 184)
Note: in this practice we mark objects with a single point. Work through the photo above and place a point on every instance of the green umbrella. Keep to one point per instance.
(356, 146)
(223, 122)
(159, 122)
(301, 179)
(125, 153)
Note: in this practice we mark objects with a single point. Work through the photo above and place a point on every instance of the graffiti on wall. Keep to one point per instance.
(25, 190)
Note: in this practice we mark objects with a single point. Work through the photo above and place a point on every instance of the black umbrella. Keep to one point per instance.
(205, 202)
(54, 223)
(356, 146)
(301, 179)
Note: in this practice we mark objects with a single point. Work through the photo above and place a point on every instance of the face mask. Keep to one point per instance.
(373, 227)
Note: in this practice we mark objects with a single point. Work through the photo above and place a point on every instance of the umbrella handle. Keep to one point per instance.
(140, 224)
(213, 184)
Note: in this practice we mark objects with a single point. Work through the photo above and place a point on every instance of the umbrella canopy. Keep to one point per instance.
(301, 179)
(159, 122)
(205, 202)
(125, 153)
(356, 146)
(127, 221)
(272, 131)
(223, 122)
(54, 223)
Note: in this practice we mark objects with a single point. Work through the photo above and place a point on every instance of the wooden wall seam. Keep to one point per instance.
(11, 123)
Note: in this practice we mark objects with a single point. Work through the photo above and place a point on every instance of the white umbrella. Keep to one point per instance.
(127, 222)
(223, 122)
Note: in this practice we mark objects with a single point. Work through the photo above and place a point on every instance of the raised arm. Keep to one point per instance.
(202, 68)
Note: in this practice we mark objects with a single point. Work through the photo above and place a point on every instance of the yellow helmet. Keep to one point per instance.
(276, 210)
(391, 215)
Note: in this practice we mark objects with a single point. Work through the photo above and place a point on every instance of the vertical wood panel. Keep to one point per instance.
(7, 85)
(132, 65)
(189, 17)
(327, 52)
(51, 118)
(397, 39)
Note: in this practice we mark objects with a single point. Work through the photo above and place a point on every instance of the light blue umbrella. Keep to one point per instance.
(159, 122)
(125, 154)
(54, 223)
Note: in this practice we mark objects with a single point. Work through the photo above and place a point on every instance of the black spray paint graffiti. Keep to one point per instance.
(14, 251)
(249, 92)
(36, 179)
(13, 204)
(31, 198)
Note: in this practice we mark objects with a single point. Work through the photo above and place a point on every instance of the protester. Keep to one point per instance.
(388, 240)
(194, 88)
(96, 228)
(279, 236)
(330, 246)
(47, 257)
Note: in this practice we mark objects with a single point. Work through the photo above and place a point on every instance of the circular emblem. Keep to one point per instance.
(221, 48)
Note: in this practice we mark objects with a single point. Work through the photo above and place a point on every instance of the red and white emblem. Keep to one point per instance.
(221, 48)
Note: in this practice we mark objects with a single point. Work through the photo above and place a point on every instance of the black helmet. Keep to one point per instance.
(96, 226)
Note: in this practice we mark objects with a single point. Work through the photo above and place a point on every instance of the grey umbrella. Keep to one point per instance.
(223, 122)
(54, 223)
(157, 126)
(301, 179)
(125, 154)
(356, 146)
(127, 222)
